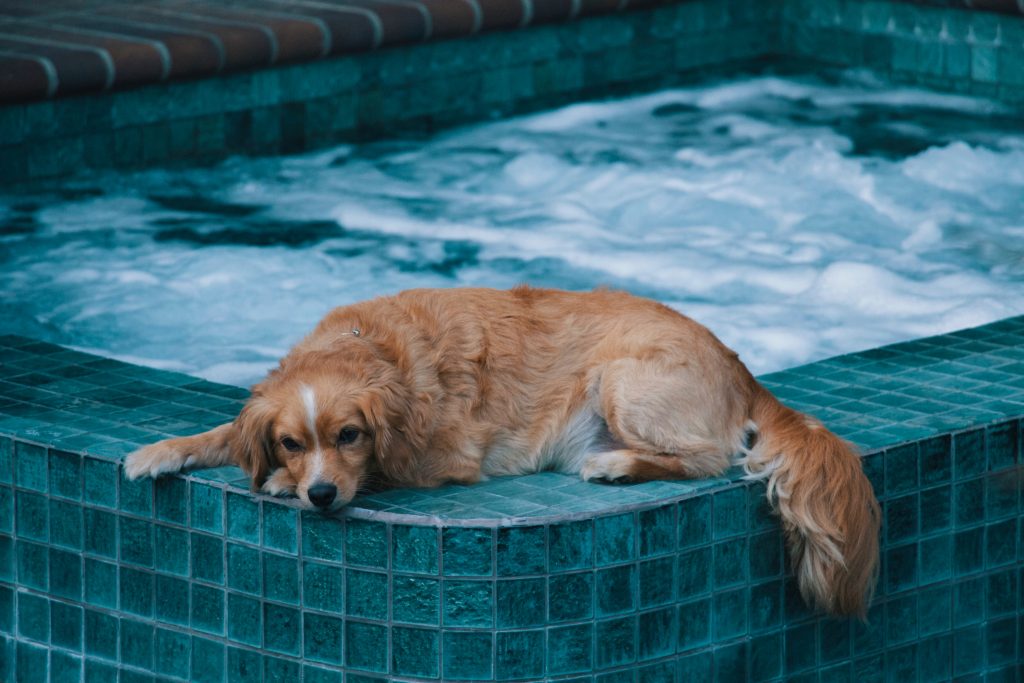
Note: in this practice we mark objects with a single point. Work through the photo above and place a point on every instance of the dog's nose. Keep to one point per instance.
(322, 495)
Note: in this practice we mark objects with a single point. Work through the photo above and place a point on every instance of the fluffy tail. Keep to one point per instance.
(829, 513)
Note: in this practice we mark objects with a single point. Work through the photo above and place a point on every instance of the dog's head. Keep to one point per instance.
(330, 428)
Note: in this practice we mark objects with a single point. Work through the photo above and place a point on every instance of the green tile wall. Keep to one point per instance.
(195, 578)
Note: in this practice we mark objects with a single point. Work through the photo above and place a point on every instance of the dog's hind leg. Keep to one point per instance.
(209, 449)
(674, 421)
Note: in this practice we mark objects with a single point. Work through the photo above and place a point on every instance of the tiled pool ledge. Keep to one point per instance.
(221, 86)
(531, 578)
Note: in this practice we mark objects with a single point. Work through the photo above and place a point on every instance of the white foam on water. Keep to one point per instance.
(796, 217)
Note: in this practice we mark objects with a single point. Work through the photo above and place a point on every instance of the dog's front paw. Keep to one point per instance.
(280, 483)
(156, 459)
(607, 468)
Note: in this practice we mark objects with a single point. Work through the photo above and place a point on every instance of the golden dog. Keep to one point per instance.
(432, 386)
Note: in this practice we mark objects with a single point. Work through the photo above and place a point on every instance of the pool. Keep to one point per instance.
(798, 215)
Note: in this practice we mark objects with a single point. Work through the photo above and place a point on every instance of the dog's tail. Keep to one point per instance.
(830, 516)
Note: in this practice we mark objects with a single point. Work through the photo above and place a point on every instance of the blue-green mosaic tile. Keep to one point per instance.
(33, 565)
(136, 590)
(172, 603)
(65, 524)
(615, 642)
(323, 587)
(363, 649)
(245, 620)
(469, 603)
(65, 475)
(6, 610)
(32, 658)
(6, 510)
(207, 660)
(243, 518)
(519, 654)
(521, 550)
(730, 614)
(32, 516)
(315, 674)
(99, 482)
(207, 609)
(65, 668)
(65, 574)
(467, 551)
(281, 578)
(614, 539)
(244, 571)
(414, 652)
(615, 589)
(322, 537)
(101, 634)
(521, 602)
(136, 643)
(366, 543)
(137, 496)
(280, 528)
(694, 573)
(694, 621)
(136, 541)
(174, 555)
(467, 656)
(282, 629)
(7, 558)
(322, 638)
(244, 666)
(730, 561)
(6, 460)
(415, 600)
(99, 672)
(171, 500)
(415, 549)
(30, 467)
(34, 617)
(366, 594)
(207, 558)
(172, 653)
(571, 596)
(656, 633)
(695, 521)
(658, 530)
(571, 545)
(207, 508)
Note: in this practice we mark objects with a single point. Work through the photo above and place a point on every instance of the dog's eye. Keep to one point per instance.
(291, 444)
(348, 435)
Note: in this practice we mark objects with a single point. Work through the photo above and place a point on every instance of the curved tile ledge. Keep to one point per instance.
(540, 577)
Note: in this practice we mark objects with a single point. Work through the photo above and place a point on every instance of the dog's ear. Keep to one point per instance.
(396, 436)
(253, 445)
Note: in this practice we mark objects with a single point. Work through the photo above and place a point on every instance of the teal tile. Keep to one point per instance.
(969, 454)
(243, 517)
(521, 550)
(730, 562)
(615, 642)
(7, 610)
(282, 629)
(936, 562)
(172, 603)
(245, 666)
(6, 510)
(615, 539)
(415, 549)
(322, 638)
(7, 559)
(280, 527)
(33, 565)
(1003, 441)
(694, 621)
(136, 541)
(65, 667)
(314, 674)
(697, 668)
(901, 518)
(136, 496)
(571, 545)
(1001, 543)
(656, 635)
(136, 589)
(66, 524)
(207, 558)
(366, 594)
(570, 648)
(101, 634)
(245, 620)
(467, 551)
(730, 614)
(244, 571)
(34, 617)
(658, 530)
(322, 537)
(969, 502)
(65, 574)
(6, 460)
(174, 556)
(281, 578)
(279, 670)
(363, 649)
(521, 603)
(65, 475)
(415, 600)
(323, 587)
(171, 653)
(208, 663)
(207, 609)
(695, 521)
(467, 656)
(171, 496)
(414, 652)
(469, 603)
(136, 643)
(366, 543)
(31, 467)
(32, 516)
(207, 508)
(936, 509)
(99, 672)
(616, 589)
(32, 658)
(99, 482)
(519, 654)
(571, 596)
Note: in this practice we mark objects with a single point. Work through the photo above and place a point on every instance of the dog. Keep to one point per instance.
(457, 385)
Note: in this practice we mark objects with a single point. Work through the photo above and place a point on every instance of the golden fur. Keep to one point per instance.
(457, 385)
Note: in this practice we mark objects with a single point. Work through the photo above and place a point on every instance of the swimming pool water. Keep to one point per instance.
(797, 216)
